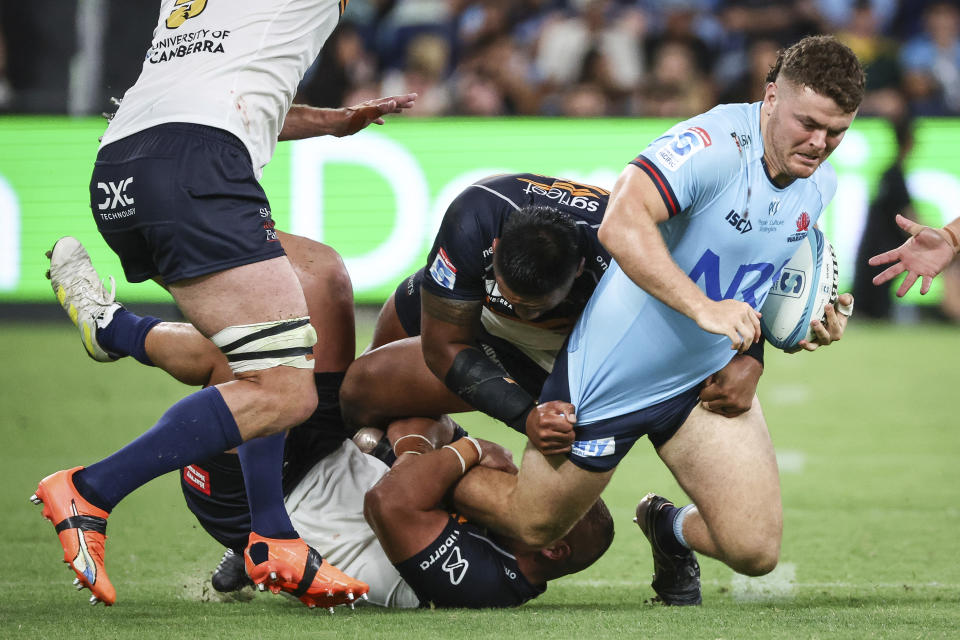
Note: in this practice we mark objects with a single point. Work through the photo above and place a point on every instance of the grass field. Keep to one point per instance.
(867, 432)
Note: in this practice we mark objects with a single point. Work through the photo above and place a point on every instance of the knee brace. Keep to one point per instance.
(264, 345)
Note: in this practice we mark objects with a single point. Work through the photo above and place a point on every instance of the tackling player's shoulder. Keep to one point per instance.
(499, 195)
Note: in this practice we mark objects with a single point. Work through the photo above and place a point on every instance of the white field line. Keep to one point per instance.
(791, 461)
(779, 584)
(787, 394)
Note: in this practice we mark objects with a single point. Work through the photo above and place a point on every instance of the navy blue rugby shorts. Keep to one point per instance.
(601, 445)
(179, 201)
(527, 373)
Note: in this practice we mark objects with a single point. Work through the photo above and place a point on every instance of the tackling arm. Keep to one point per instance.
(403, 509)
(449, 349)
(448, 339)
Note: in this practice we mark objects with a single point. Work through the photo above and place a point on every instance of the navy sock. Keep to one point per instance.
(664, 530)
(195, 428)
(126, 335)
(262, 462)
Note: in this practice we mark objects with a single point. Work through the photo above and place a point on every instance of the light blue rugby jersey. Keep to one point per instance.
(730, 229)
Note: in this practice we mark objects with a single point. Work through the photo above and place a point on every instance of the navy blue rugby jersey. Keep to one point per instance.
(460, 264)
(464, 567)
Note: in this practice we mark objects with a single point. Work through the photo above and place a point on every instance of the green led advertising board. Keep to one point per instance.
(377, 197)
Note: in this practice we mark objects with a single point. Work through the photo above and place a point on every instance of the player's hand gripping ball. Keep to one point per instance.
(800, 293)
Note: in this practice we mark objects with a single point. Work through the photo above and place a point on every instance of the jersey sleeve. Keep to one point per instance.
(464, 568)
(455, 264)
(692, 162)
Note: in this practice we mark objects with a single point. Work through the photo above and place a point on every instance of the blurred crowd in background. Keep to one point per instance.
(671, 58)
(578, 58)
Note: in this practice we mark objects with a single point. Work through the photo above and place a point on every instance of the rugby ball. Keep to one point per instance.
(801, 292)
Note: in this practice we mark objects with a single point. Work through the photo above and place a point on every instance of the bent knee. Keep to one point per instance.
(756, 561)
(357, 403)
(283, 400)
(541, 532)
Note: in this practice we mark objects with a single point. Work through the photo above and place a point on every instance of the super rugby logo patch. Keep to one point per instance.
(683, 146)
(442, 270)
(594, 448)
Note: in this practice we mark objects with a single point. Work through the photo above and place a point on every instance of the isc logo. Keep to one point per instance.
(791, 284)
(738, 222)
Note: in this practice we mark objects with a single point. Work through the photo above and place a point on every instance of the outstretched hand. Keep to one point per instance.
(360, 116)
(924, 255)
(550, 427)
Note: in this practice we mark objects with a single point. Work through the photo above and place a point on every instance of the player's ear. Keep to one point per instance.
(494, 245)
(770, 95)
(559, 551)
(583, 263)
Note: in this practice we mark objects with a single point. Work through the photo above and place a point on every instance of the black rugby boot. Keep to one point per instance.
(676, 577)
(230, 574)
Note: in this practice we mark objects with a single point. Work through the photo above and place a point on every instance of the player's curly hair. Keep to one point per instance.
(827, 66)
(537, 250)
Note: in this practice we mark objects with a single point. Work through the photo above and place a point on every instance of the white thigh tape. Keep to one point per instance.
(283, 343)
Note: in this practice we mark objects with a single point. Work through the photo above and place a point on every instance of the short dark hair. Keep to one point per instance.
(827, 66)
(537, 251)
(593, 536)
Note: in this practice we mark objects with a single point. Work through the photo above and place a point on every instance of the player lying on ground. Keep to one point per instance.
(679, 299)
(175, 193)
(420, 553)
(513, 265)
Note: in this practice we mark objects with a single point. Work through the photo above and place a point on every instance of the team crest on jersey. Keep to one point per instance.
(803, 225)
(183, 11)
(442, 270)
(594, 448)
(683, 146)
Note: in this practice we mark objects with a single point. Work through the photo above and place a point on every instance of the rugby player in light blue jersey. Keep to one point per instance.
(698, 224)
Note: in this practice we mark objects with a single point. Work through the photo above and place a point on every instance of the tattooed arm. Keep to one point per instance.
(448, 327)
(448, 337)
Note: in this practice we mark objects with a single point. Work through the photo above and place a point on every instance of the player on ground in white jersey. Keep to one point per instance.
(698, 225)
(337, 497)
(175, 194)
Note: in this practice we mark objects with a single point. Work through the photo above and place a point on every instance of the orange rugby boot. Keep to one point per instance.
(296, 568)
(82, 529)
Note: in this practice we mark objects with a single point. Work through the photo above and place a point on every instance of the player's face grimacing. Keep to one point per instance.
(802, 130)
(531, 307)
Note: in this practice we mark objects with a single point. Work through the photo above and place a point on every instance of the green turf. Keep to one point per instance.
(868, 432)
